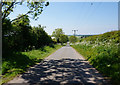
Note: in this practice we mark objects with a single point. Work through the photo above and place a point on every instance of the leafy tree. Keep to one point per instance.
(22, 36)
(63, 38)
(7, 26)
(41, 36)
(17, 34)
(73, 39)
(35, 8)
(6, 36)
(22, 32)
(57, 33)
(54, 41)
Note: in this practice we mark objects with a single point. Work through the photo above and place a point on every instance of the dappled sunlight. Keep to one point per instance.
(63, 71)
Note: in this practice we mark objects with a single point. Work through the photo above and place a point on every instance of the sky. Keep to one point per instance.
(86, 17)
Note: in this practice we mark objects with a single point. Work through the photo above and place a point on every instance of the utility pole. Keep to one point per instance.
(74, 31)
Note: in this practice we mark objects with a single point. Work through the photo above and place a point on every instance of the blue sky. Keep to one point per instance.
(100, 17)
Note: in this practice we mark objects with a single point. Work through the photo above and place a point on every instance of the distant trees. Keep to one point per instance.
(60, 36)
(73, 39)
(57, 33)
(63, 38)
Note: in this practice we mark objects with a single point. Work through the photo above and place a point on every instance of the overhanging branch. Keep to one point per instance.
(21, 16)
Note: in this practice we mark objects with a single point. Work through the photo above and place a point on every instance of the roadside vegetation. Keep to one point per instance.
(23, 45)
(103, 53)
(18, 62)
(73, 39)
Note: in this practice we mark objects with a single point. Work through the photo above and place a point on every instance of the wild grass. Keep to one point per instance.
(18, 62)
(103, 52)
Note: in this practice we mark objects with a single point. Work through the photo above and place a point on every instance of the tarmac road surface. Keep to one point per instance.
(65, 66)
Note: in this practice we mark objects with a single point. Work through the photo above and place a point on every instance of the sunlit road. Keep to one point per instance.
(65, 52)
(65, 66)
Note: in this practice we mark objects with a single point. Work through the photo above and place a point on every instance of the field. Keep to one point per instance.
(17, 63)
(103, 52)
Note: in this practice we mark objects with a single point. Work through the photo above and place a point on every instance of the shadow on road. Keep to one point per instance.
(64, 71)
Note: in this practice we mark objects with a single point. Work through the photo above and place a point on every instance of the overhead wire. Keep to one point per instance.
(82, 5)
(90, 12)
(85, 14)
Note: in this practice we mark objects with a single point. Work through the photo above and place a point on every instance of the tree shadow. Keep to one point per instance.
(64, 71)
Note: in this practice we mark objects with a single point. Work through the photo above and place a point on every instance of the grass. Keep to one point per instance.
(103, 53)
(18, 62)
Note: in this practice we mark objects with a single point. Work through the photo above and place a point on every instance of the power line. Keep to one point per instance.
(91, 11)
(74, 32)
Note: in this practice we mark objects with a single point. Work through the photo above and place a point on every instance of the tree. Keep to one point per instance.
(35, 8)
(17, 33)
(57, 33)
(42, 38)
(63, 38)
(73, 39)
(6, 36)
(22, 32)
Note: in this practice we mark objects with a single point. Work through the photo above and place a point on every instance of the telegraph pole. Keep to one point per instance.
(74, 32)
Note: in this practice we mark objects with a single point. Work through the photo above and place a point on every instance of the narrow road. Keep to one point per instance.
(65, 66)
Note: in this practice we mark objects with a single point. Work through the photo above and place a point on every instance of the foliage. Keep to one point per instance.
(41, 36)
(54, 40)
(103, 53)
(57, 33)
(17, 62)
(35, 8)
(73, 39)
(106, 37)
(6, 26)
(21, 31)
(20, 36)
(17, 34)
(63, 38)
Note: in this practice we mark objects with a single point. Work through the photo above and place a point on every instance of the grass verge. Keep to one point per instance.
(103, 52)
(105, 58)
(17, 63)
